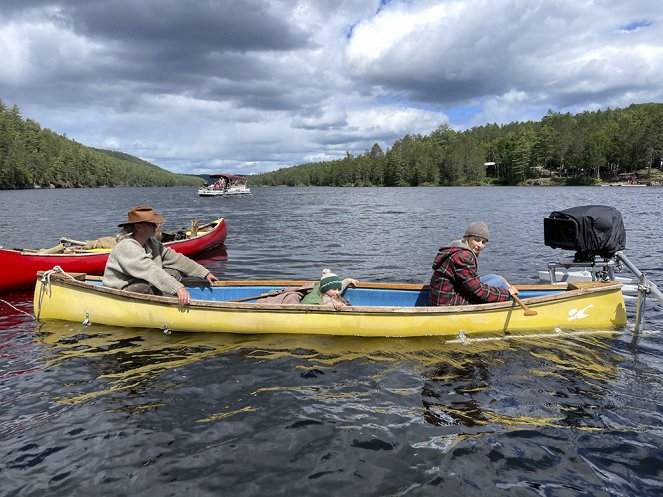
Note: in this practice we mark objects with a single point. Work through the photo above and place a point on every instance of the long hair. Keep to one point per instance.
(126, 232)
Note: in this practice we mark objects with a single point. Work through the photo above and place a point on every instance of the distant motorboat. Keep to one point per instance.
(626, 184)
(227, 185)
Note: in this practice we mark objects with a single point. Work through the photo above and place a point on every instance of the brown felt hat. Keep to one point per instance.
(143, 214)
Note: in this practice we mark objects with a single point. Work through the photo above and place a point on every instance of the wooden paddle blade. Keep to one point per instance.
(528, 311)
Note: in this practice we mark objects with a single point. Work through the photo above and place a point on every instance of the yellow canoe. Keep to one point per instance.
(378, 309)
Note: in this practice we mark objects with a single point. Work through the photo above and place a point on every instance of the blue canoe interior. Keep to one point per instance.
(417, 296)
(356, 296)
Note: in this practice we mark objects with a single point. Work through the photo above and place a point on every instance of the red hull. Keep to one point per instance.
(18, 269)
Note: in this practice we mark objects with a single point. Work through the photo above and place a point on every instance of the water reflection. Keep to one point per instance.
(573, 377)
(212, 256)
(468, 384)
(122, 359)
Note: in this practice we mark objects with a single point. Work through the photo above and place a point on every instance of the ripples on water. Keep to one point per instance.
(103, 411)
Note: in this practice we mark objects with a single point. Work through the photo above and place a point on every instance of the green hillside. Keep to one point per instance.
(31, 156)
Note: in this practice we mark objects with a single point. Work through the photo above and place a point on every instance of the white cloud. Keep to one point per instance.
(39, 49)
(394, 31)
(15, 61)
(272, 83)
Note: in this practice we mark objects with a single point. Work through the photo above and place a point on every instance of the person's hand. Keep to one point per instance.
(183, 297)
(512, 290)
(337, 305)
(211, 278)
(353, 282)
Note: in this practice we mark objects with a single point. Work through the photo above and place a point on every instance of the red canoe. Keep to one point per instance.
(19, 268)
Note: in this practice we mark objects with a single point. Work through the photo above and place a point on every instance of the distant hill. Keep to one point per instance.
(126, 157)
(205, 178)
(35, 157)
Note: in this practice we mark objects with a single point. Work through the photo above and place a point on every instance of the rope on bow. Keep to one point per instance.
(46, 286)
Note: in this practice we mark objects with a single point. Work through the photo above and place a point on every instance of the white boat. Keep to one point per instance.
(227, 185)
(625, 184)
(563, 275)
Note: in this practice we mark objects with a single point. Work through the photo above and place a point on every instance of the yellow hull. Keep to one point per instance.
(594, 306)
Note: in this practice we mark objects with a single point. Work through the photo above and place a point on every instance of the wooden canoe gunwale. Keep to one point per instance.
(214, 225)
(573, 290)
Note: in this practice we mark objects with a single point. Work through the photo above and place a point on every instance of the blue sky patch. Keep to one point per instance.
(635, 25)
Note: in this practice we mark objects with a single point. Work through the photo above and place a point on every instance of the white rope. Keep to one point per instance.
(17, 309)
(46, 277)
(46, 285)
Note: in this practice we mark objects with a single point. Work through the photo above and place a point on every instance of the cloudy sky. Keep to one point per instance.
(246, 86)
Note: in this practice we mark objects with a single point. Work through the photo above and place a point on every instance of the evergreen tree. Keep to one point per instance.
(580, 148)
(34, 157)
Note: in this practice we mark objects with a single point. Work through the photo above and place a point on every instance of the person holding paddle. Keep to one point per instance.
(141, 263)
(455, 279)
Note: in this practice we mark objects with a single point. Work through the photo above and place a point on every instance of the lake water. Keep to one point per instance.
(99, 410)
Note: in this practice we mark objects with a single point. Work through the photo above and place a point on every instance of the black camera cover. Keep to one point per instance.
(590, 230)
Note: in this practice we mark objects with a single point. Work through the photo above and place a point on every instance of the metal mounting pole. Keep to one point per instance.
(640, 307)
(645, 287)
(649, 286)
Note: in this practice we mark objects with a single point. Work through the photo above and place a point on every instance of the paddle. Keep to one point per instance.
(528, 311)
(69, 240)
(207, 225)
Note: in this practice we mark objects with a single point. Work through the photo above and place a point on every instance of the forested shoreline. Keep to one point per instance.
(35, 157)
(586, 148)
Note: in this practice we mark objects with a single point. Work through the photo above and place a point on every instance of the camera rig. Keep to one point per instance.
(591, 231)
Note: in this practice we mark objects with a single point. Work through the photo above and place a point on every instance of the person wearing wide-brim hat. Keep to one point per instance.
(142, 214)
(455, 279)
(141, 263)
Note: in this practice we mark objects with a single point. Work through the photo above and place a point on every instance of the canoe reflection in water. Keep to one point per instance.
(123, 359)
(466, 388)
(478, 393)
(212, 257)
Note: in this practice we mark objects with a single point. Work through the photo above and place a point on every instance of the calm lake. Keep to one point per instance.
(98, 410)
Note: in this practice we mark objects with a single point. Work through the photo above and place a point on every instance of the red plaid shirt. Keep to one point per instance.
(455, 280)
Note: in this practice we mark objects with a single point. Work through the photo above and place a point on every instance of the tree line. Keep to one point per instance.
(34, 157)
(561, 148)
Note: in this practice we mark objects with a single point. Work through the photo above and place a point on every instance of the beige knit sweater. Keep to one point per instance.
(129, 261)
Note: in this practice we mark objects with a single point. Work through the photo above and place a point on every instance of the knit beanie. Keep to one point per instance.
(329, 281)
(477, 228)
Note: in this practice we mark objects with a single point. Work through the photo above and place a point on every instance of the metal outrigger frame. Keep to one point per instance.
(605, 270)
